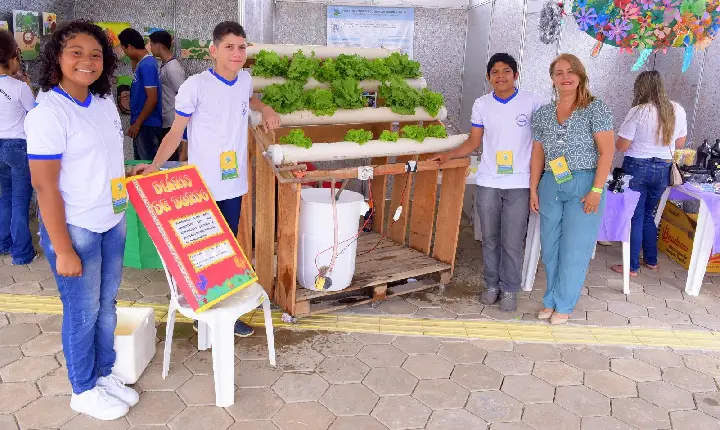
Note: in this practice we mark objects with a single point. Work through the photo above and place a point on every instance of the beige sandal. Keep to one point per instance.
(545, 314)
(653, 268)
(558, 319)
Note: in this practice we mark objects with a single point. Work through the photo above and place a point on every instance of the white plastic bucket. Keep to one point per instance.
(316, 234)
(134, 342)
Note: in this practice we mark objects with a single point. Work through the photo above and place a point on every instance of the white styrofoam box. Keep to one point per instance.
(134, 342)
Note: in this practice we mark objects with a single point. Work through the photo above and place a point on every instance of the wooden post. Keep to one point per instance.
(245, 231)
(264, 223)
(449, 213)
(378, 185)
(422, 215)
(289, 211)
(397, 230)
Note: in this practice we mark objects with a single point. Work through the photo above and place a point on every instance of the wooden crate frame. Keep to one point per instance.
(421, 244)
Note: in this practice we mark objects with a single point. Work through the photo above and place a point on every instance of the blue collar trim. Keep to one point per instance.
(507, 100)
(223, 80)
(84, 104)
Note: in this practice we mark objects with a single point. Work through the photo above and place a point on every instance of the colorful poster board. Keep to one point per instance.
(191, 235)
(112, 30)
(371, 27)
(26, 27)
(49, 23)
(195, 49)
(124, 83)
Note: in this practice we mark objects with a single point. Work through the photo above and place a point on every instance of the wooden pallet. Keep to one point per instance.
(380, 273)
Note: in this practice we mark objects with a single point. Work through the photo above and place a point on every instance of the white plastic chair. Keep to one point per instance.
(216, 328)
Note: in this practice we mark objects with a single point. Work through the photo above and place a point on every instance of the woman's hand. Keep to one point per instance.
(442, 157)
(534, 202)
(592, 201)
(68, 264)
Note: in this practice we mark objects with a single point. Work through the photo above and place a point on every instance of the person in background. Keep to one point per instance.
(501, 124)
(653, 129)
(75, 149)
(172, 75)
(16, 99)
(215, 106)
(145, 96)
(571, 158)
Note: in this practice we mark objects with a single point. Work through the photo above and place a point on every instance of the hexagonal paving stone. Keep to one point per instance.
(84, 422)
(46, 412)
(528, 389)
(253, 348)
(607, 294)
(21, 288)
(401, 412)
(389, 381)
(709, 403)
(586, 360)
(539, 415)
(646, 300)
(382, 356)
(663, 292)
(710, 322)
(454, 419)
(558, 374)
(640, 413)
(303, 416)
(428, 366)
(201, 363)
(397, 307)
(686, 307)
(196, 417)
(461, 353)
(298, 359)
(477, 377)
(256, 373)
(416, 344)
(56, 383)
(538, 351)
(8, 354)
(687, 379)
(349, 399)
(628, 310)
(703, 364)
(582, 401)
(28, 369)
(182, 349)
(692, 420)
(364, 422)
(13, 396)
(300, 387)
(634, 369)
(494, 344)
(18, 334)
(587, 303)
(508, 363)
(494, 406)
(337, 344)
(374, 338)
(510, 426)
(343, 370)
(52, 324)
(604, 423)
(659, 357)
(441, 394)
(155, 408)
(605, 318)
(612, 351)
(666, 396)
(152, 380)
(610, 384)
(669, 316)
(255, 404)
(44, 344)
(198, 391)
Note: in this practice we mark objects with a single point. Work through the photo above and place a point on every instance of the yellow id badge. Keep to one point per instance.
(560, 169)
(119, 195)
(504, 160)
(229, 165)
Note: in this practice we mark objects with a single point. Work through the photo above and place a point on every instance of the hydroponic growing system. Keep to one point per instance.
(319, 93)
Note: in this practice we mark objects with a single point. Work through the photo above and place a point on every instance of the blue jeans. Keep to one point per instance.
(147, 142)
(650, 177)
(567, 237)
(89, 318)
(15, 195)
(230, 210)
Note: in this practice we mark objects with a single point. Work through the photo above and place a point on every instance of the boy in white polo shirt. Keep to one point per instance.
(501, 124)
(215, 106)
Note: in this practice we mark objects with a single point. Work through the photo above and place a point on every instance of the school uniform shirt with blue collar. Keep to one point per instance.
(87, 137)
(507, 138)
(218, 127)
(16, 99)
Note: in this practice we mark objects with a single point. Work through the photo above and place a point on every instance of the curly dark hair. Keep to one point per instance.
(8, 49)
(51, 73)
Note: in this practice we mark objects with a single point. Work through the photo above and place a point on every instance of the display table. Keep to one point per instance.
(707, 233)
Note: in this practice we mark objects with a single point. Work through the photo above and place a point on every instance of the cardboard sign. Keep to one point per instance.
(677, 231)
(191, 235)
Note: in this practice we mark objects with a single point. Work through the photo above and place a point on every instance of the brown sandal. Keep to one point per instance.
(618, 268)
(653, 268)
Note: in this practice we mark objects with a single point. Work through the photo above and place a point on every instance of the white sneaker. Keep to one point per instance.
(116, 388)
(98, 404)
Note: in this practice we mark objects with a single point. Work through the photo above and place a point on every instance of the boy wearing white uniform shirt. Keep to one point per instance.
(215, 106)
(501, 124)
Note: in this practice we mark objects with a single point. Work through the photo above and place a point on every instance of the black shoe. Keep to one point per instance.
(490, 296)
(241, 329)
(508, 302)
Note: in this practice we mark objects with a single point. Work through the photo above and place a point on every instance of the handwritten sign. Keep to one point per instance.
(191, 235)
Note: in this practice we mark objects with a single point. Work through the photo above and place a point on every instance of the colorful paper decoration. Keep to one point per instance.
(550, 21)
(195, 49)
(112, 30)
(654, 25)
(26, 27)
(49, 23)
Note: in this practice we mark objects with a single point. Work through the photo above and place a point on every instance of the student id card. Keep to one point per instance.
(560, 169)
(229, 165)
(119, 195)
(504, 160)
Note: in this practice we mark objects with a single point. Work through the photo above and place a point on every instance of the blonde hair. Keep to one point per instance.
(583, 97)
(649, 90)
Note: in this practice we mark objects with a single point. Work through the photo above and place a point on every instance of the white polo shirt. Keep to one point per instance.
(87, 137)
(16, 99)
(507, 127)
(218, 111)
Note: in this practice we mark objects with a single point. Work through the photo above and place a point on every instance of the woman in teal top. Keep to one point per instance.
(572, 153)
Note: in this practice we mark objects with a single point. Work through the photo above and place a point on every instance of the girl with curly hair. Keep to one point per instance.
(75, 150)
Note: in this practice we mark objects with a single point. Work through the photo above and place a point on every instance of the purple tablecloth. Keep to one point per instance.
(712, 200)
(619, 209)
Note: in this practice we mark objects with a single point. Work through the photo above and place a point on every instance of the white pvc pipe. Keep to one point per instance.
(321, 51)
(283, 154)
(351, 116)
(259, 83)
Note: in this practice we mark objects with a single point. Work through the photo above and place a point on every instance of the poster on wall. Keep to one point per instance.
(124, 83)
(191, 235)
(26, 27)
(49, 23)
(195, 49)
(147, 31)
(112, 30)
(371, 27)
(4, 26)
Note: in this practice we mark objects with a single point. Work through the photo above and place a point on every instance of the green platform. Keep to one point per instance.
(140, 252)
